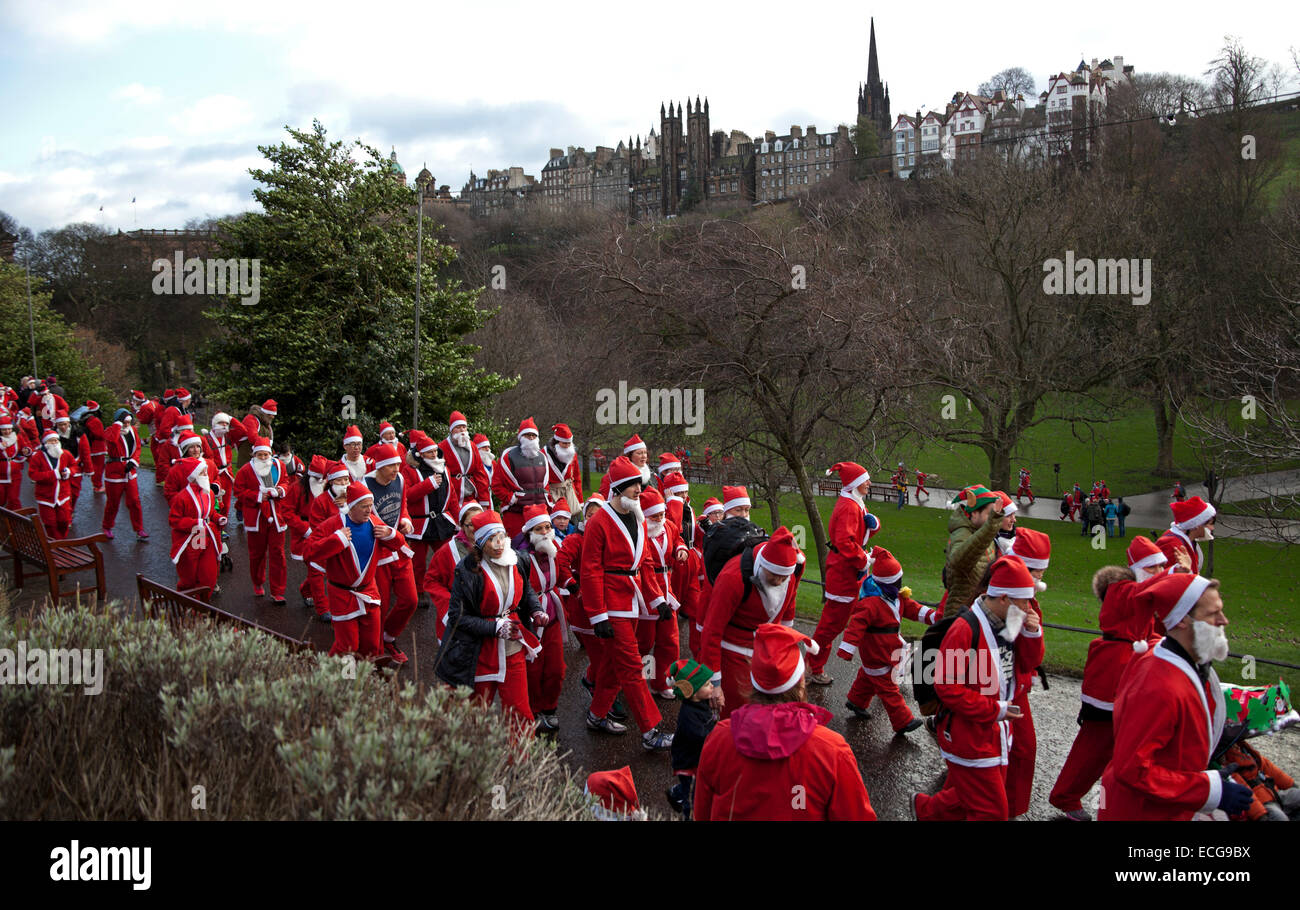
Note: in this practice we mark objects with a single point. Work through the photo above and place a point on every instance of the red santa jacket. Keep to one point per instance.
(27, 428)
(331, 548)
(685, 583)
(178, 479)
(496, 602)
(556, 474)
(467, 481)
(222, 454)
(662, 552)
(95, 433)
(189, 508)
(12, 459)
(779, 763)
(53, 481)
(1127, 630)
(613, 586)
(1167, 719)
(733, 616)
(420, 491)
(543, 578)
(122, 445)
(847, 559)
(296, 510)
(568, 562)
(261, 511)
(1173, 541)
(440, 574)
(322, 509)
(873, 630)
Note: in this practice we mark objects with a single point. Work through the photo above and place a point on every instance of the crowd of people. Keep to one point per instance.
(670, 603)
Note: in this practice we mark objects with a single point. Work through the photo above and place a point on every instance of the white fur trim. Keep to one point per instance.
(1155, 559)
(709, 510)
(1016, 593)
(785, 686)
(1196, 520)
(736, 503)
(1186, 602)
(348, 439)
(888, 579)
(654, 509)
(1140, 647)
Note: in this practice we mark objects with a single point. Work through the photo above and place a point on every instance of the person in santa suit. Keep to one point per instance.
(45, 406)
(329, 502)
(260, 489)
(196, 543)
(467, 479)
(711, 515)
(538, 548)
(851, 526)
(657, 632)
(492, 613)
(758, 586)
(175, 412)
(483, 446)
(560, 519)
(1034, 549)
(684, 580)
(395, 577)
(1006, 537)
(635, 451)
(424, 475)
(297, 513)
(519, 479)
(169, 447)
(1025, 488)
(13, 455)
(188, 445)
(1169, 712)
(27, 429)
(1193, 523)
(920, 485)
(8, 398)
(94, 426)
(219, 448)
(51, 470)
(872, 635)
(74, 441)
(122, 463)
(258, 422)
(561, 463)
(975, 679)
(442, 567)
(357, 463)
(1127, 630)
(779, 745)
(349, 545)
(668, 464)
(614, 593)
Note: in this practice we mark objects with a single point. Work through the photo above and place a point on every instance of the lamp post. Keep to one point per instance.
(31, 321)
(420, 183)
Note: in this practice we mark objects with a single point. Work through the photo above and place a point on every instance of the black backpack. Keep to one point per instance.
(928, 656)
(728, 539)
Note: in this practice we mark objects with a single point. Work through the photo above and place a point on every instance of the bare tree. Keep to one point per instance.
(1014, 80)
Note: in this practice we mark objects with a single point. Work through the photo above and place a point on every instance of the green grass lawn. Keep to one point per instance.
(1265, 507)
(1259, 581)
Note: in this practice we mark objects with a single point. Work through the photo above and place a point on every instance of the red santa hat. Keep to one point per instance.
(779, 555)
(182, 395)
(384, 427)
(169, 393)
(188, 439)
(260, 444)
(1171, 597)
(561, 510)
(92, 405)
(138, 396)
(712, 505)
(594, 499)
(351, 435)
(358, 492)
(885, 569)
(6, 419)
(1191, 513)
(1143, 553)
(851, 474)
(667, 463)
(270, 408)
(622, 471)
(180, 427)
(384, 455)
(1033, 547)
(421, 441)
(675, 483)
(527, 426)
(318, 466)
(1006, 503)
(486, 523)
(632, 445)
(48, 435)
(1011, 577)
(457, 419)
(778, 664)
(465, 507)
(561, 433)
(734, 497)
(195, 467)
(652, 502)
(481, 441)
(336, 470)
(534, 515)
(616, 792)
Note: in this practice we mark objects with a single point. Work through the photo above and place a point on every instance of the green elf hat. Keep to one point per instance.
(973, 498)
(689, 677)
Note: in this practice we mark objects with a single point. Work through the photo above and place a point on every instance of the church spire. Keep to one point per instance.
(873, 67)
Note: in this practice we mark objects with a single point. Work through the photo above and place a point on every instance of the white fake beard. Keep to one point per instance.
(436, 464)
(564, 454)
(506, 559)
(219, 430)
(857, 493)
(460, 439)
(530, 447)
(47, 406)
(356, 468)
(1209, 641)
(633, 506)
(544, 543)
(1040, 585)
(8, 439)
(773, 597)
(1209, 535)
(54, 450)
(1015, 622)
(389, 442)
(262, 468)
(645, 475)
(656, 528)
(317, 486)
(338, 489)
(1143, 574)
(203, 483)
(487, 457)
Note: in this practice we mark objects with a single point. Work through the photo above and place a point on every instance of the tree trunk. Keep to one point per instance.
(774, 504)
(999, 454)
(1164, 437)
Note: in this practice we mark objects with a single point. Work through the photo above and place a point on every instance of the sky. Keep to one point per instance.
(167, 102)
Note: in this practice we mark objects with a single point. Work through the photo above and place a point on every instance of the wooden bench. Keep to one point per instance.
(160, 601)
(886, 492)
(23, 536)
(827, 487)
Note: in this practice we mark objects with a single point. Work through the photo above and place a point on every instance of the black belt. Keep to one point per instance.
(831, 547)
(743, 628)
(344, 587)
(662, 570)
(629, 573)
(883, 630)
(1106, 636)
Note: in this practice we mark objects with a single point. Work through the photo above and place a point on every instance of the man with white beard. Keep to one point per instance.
(520, 478)
(52, 469)
(561, 464)
(13, 454)
(636, 452)
(122, 462)
(358, 465)
(1193, 523)
(467, 480)
(484, 447)
(425, 474)
(1169, 712)
(536, 542)
(195, 544)
(260, 489)
(755, 587)
(219, 448)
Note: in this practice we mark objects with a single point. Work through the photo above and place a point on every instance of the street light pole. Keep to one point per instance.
(31, 321)
(419, 270)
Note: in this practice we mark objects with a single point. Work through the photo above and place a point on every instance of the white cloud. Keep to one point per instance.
(136, 93)
(213, 114)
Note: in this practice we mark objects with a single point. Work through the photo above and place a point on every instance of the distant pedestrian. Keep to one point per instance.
(1067, 507)
(1122, 511)
(920, 486)
(1179, 493)
(1112, 515)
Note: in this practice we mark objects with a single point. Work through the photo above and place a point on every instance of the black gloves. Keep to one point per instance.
(603, 629)
(665, 610)
(1235, 798)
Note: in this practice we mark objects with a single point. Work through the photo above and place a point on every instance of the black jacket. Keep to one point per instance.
(467, 626)
(695, 722)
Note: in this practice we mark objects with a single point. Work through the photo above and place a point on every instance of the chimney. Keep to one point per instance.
(1119, 62)
(570, 151)
(796, 132)
(769, 136)
(556, 153)
(811, 130)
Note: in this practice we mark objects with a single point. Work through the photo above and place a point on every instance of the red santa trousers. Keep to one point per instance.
(513, 691)
(420, 561)
(546, 671)
(595, 648)
(1093, 746)
(97, 470)
(355, 636)
(227, 493)
(197, 569)
(865, 687)
(116, 490)
(659, 637)
(1020, 759)
(396, 583)
(736, 687)
(693, 638)
(260, 544)
(56, 520)
(835, 616)
(621, 668)
(11, 495)
(314, 586)
(969, 794)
